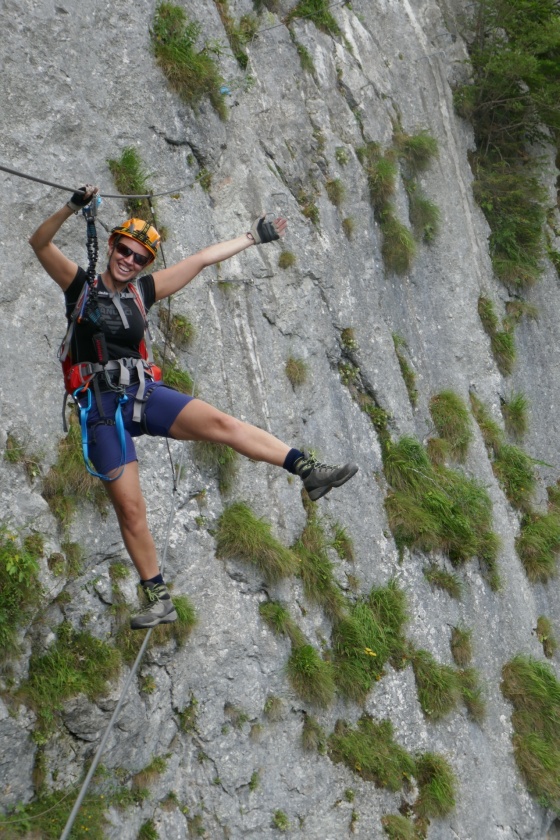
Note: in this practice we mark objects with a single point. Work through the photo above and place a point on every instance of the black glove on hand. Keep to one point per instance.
(263, 231)
(81, 198)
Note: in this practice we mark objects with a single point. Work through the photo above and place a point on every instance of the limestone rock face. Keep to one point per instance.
(80, 84)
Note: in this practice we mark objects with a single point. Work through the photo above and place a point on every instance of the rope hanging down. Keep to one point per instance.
(114, 717)
(73, 189)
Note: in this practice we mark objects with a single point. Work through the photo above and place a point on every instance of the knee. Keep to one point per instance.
(131, 513)
(225, 428)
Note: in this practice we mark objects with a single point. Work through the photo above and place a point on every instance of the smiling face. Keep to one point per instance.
(127, 258)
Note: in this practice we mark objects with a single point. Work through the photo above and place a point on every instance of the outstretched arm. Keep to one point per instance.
(56, 264)
(171, 280)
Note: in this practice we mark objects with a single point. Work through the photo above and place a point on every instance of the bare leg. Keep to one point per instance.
(197, 421)
(200, 421)
(130, 507)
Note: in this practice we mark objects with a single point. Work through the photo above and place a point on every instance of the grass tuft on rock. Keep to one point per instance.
(453, 422)
(437, 786)
(538, 545)
(370, 750)
(532, 688)
(242, 535)
(192, 73)
(310, 676)
(437, 685)
(435, 508)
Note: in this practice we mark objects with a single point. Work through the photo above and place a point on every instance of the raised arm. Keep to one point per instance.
(56, 264)
(170, 280)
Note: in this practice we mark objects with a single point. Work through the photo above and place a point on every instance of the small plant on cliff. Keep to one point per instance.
(148, 775)
(177, 328)
(417, 150)
(436, 508)
(305, 58)
(310, 676)
(177, 378)
(538, 545)
(280, 820)
(316, 569)
(407, 372)
(308, 205)
(131, 178)
(241, 534)
(296, 371)
(278, 618)
(348, 227)
(335, 191)
(502, 341)
(491, 432)
(471, 692)
(47, 815)
(452, 421)
(148, 831)
(381, 170)
(274, 708)
(398, 247)
(20, 590)
(437, 685)
(75, 663)
(368, 637)
(342, 542)
(371, 751)
(442, 579)
(532, 688)
(461, 646)
(318, 12)
(514, 412)
(313, 737)
(437, 786)
(286, 259)
(220, 458)
(424, 215)
(514, 470)
(511, 100)
(239, 34)
(16, 452)
(398, 827)
(192, 74)
(545, 635)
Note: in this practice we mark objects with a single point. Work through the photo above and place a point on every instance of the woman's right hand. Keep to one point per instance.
(82, 197)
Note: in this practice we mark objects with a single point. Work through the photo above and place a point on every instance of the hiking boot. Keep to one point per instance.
(158, 610)
(318, 478)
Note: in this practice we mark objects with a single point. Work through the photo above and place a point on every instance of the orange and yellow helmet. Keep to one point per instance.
(141, 231)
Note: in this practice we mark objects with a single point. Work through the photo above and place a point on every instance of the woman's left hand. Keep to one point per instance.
(263, 231)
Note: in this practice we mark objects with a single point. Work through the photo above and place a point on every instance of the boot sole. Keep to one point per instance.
(167, 619)
(319, 492)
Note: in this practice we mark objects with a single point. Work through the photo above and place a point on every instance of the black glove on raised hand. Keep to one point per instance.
(81, 198)
(263, 231)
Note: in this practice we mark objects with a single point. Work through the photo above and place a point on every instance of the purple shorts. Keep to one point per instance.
(162, 406)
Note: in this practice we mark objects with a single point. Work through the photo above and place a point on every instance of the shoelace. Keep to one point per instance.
(318, 465)
(152, 595)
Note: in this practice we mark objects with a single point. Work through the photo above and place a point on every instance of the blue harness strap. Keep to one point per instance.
(119, 424)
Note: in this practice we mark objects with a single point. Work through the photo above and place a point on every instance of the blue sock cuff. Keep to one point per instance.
(292, 456)
(156, 579)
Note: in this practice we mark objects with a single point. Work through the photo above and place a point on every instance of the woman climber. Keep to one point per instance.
(105, 343)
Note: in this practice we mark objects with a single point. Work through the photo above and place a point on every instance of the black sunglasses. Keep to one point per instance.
(125, 251)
